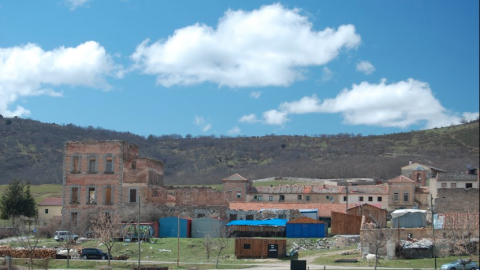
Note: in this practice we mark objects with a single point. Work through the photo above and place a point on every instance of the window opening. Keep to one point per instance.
(91, 165)
(370, 199)
(395, 197)
(108, 195)
(405, 196)
(74, 195)
(91, 195)
(133, 195)
(76, 161)
(109, 165)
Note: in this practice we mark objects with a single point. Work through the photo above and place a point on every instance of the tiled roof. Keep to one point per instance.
(321, 189)
(414, 166)
(401, 179)
(171, 198)
(324, 209)
(51, 202)
(368, 189)
(456, 176)
(375, 205)
(235, 177)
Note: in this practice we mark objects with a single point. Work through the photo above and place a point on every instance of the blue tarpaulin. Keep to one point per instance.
(267, 222)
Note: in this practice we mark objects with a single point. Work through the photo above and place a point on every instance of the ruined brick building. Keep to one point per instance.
(108, 175)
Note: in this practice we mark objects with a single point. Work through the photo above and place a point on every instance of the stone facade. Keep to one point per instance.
(401, 193)
(108, 175)
(457, 200)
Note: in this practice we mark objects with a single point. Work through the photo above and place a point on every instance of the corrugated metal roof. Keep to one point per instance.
(401, 179)
(235, 177)
(324, 209)
(51, 202)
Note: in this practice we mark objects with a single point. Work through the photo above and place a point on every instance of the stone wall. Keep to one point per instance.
(450, 200)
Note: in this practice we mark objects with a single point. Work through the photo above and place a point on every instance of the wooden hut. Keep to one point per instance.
(371, 213)
(345, 223)
(260, 248)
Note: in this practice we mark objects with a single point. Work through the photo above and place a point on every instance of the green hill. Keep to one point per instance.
(33, 151)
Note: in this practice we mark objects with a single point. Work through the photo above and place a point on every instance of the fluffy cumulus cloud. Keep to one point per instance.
(399, 104)
(30, 71)
(234, 131)
(264, 47)
(250, 119)
(365, 67)
(200, 121)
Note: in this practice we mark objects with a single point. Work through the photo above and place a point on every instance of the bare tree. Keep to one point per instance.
(376, 239)
(208, 244)
(221, 244)
(24, 236)
(106, 228)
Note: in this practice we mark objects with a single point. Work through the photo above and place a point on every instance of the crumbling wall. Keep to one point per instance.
(457, 200)
(199, 196)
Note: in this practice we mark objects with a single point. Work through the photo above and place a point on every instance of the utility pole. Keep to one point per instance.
(138, 227)
(433, 231)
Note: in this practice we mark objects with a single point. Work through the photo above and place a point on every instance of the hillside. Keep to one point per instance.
(33, 151)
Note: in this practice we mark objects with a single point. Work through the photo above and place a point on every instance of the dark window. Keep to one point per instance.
(74, 195)
(468, 185)
(249, 217)
(379, 199)
(46, 211)
(109, 165)
(299, 197)
(405, 196)
(360, 198)
(307, 198)
(233, 217)
(134, 164)
(370, 199)
(260, 198)
(91, 165)
(133, 195)
(395, 197)
(76, 161)
(74, 216)
(270, 198)
(200, 215)
(344, 198)
(246, 246)
(282, 198)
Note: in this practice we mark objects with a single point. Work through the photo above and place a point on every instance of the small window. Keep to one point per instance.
(360, 198)
(299, 197)
(233, 217)
(74, 195)
(74, 216)
(91, 195)
(395, 197)
(405, 196)
(46, 211)
(444, 185)
(260, 198)
(108, 195)
(91, 165)
(133, 195)
(453, 185)
(249, 217)
(468, 185)
(344, 198)
(200, 215)
(134, 164)
(255, 197)
(370, 199)
(239, 194)
(379, 199)
(270, 198)
(109, 165)
(76, 162)
(282, 198)
(246, 246)
(307, 198)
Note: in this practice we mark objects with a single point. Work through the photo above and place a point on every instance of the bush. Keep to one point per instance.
(8, 122)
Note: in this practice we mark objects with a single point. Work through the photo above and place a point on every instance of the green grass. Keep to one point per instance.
(40, 192)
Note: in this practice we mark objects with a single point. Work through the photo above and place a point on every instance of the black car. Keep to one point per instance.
(94, 253)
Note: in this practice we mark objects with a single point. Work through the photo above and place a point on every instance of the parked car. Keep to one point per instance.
(94, 253)
(457, 265)
(65, 235)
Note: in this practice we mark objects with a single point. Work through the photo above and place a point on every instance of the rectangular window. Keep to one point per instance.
(299, 197)
(233, 217)
(307, 198)
(255, 197)
(108, 196)
(453, 185)
(270, 198)
(246, 246)
(379, 199)
(134, 164)
(444, 185)
(249, 217)
(282, 198)
(74, 216)
(74, 195)
(239, 194)
(91, 195)
(360, 198)
(344, 198)
(282, 216)
(46, 211)
(91, 165)
(405, 196)
(109, 165)
(200, 215)
(370, 199)
(133, 195)
(260, 198)
(76, 161)
(468, 185)
(395, 197)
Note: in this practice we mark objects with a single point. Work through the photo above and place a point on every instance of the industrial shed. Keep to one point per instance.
(260, 248)
(257, 228)
(306, 227)
(208, 226)
(169, 227)
(371, 213)
(409, 218)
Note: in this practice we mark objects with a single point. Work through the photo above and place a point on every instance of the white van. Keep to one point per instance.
(65, 235)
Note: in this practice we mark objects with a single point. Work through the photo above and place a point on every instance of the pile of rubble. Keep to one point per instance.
(369, 225)
(422, 243)
(342, 241)
(312, 244)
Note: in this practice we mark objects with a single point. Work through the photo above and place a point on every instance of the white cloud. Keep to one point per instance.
(263, 47)
(327, 74)
(251, 118)
(234, 131)
(255, 94)
(365, 67)
(30, 71)
(399, 104)
(73, 4)
(200, 121)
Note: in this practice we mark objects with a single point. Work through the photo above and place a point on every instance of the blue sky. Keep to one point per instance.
(241, 68)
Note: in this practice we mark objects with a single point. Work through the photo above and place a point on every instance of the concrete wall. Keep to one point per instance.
(53, 211)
